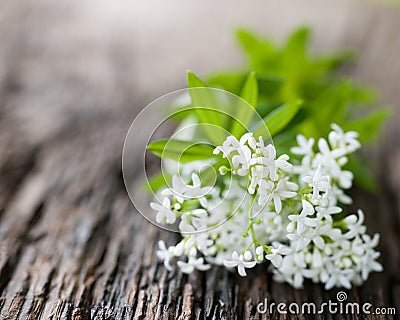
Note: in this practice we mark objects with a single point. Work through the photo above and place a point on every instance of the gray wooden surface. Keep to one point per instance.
(73, 75)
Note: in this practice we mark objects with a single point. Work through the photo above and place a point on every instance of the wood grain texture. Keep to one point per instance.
(71, 244)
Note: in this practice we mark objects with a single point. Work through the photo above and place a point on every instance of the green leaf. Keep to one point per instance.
(362, 95)
(278, 119)
(250, 90)
(194, 81)
(363, 175)
(243, 114)
(261, 52)
(329, 106)
(208, 176)
(179, 150)
(283, 141)
(206, 109)
(296, 46)
(369, 126)
(231, 81)
(269, 85)
(251, 43)
(157, 181)
(264, 109)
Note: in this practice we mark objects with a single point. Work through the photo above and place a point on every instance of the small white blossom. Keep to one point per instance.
(304, 147)
(165, 254)
(258, 174)
(294, 270)
(230, 144)
(355, 226)
(240, 262)
(268, 160)
(260, 253)
(318, 182)
(367, 261)
(182, 191)
(192, 264)
(276, 255)
(345, 179)
(326, 213)
(164, 211)
(328, 154)
(301, 220)
(284, 189)
(341, 140)
(339, 278)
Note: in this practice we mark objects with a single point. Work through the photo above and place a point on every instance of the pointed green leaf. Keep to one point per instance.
(296, 46)
(278, 119)
(206, 109)
(248, 41)
(208, 176)
(243, 112)
(231, 81)
(179, 150)
(194, 81)
(261, 52)
(250, 90)
(362, 95)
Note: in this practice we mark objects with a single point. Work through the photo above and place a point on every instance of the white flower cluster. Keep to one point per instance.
(265, 208)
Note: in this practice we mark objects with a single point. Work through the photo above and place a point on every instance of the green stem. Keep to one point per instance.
(250, 227)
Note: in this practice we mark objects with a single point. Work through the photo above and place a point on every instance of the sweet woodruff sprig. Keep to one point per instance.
(281, 203)
(269, 208)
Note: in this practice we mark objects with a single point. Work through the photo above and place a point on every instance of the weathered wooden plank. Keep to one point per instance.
(71, 244)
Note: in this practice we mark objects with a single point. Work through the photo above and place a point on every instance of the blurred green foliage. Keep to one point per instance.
(295, 92)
